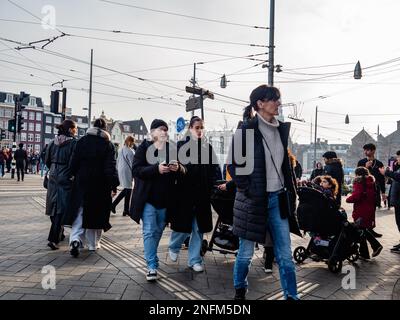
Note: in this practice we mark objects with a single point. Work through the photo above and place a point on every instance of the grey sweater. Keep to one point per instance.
(270, 132)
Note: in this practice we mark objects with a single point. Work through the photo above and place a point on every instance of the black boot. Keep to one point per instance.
(375, 234)
(240, 294)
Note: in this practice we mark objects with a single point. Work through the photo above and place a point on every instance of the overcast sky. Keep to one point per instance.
(308, 34)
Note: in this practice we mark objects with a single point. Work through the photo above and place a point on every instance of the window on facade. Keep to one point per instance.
(48, 129)
(31, 127)
(31, 116)
(37, 148)
(29, 147)
(9, 98)
(32, 101)
(49, 119)
(79, 120)
(141, 128)
(8, 113)
(38, 127)
(37, 137)
(25, 114)
(47, 141)
(57, 120)
(126, 128)
(23, 136)
(1, 112)
(38, 116)
(30, 137)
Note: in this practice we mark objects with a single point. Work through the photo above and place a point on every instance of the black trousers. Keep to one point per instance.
(397, 215)
(126, 193)
(20, 171)
(269, 257)
(56, 229)
(375, 244)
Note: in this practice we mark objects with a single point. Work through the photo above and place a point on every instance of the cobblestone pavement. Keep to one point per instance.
(116, 271)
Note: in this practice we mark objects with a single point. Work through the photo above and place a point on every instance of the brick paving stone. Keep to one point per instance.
(11, 296)
(101, 296)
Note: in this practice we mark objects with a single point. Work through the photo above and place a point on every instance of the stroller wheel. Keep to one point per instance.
(334, 265)
(204, 247)
(300, 254)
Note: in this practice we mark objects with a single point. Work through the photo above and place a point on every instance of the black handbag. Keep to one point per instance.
(46, 181)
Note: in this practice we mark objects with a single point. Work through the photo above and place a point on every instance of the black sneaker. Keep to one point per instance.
(74, 251)
(377, 251)
(396, 246)
(151, 275)
(113, 209)
(240, 294)
(395, 250)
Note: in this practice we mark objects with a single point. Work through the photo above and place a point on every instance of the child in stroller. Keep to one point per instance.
(222, 200)
(333, 238)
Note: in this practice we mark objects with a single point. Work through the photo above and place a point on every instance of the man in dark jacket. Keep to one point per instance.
(334, 168)
(96, 179)
(373, 165)
(318, 171)
(394, 193)
(21, 158)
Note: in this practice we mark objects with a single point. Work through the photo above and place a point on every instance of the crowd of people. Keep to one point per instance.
(166, 183)
(25, 161)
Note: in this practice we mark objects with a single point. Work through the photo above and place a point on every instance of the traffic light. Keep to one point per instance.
(20, 123)
(2, 134)
(22, 99)
(54, 101)
(11, 125)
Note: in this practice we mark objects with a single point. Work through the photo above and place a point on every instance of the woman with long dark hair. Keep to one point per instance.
(59, 186)
(193, 216)
(265, 197)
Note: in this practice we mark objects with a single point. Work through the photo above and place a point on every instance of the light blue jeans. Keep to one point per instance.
(279, 229)
(196, 239)
(153, 224)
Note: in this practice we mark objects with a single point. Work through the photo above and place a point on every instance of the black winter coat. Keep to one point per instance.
(194, 189)
(144, 173)
(59, 188)
(334, 168)
(94, 168)
(316, 172)
(251, 202)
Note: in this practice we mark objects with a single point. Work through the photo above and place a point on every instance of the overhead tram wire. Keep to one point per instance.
(184, 15)
(116, 31)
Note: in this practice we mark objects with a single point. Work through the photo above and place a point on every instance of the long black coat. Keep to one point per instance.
(251, 201)
(94, 168)
(144, 173)
(59, 188)
(334, 168)
(194, 188)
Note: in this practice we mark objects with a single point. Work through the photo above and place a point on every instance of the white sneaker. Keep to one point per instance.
(173, 256)
(151, 275)
(197, 267)
(98, 246)
(91, 248)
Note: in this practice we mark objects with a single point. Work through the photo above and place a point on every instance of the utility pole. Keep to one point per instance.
(64, 104)
(271, 43)
(90, 89)
(194, 81)
(315, 137)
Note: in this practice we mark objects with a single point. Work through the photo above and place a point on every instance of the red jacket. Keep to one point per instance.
(364, 201)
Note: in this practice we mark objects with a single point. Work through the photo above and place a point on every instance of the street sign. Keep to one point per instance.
(193, 103)
(180, 124)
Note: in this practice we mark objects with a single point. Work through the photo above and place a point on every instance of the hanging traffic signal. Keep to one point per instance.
(223, 82)
(20, 123)
(2, 134)
(11, 125)
(54, 101)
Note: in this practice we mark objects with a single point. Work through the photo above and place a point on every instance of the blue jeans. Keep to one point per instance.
(153, 224)
(196, 239)
(279, 229)
(43, 168)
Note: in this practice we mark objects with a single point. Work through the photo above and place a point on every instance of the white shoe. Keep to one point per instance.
(197, 267)
(267, 270)
(91, 248)
(151, 275)
(98, 246)
(173, 256)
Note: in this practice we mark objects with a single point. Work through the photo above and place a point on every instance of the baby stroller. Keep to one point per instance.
(333, 238)
(222, 236)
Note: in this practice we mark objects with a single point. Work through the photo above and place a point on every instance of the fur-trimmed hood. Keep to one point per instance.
(334, 160)
(370, 179)
(98, 132)
(61, 139)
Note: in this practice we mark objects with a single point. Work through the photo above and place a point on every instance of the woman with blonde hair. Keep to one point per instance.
(124, 167)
